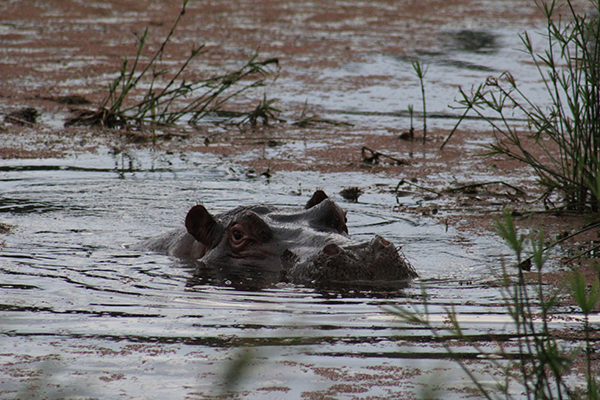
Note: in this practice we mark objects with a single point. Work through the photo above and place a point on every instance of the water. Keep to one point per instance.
(82, 315)
(379, 90)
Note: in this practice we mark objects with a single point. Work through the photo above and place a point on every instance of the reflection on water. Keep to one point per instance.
(237, 278)
(82, 314)
(469, 40)
(460, 57)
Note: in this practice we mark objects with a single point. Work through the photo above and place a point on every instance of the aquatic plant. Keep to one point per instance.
(420, 71)
(543, 361)
(6, 228)
(410, 134)
(264, 111)
(178, 99)
(306, 120)
(561, 141)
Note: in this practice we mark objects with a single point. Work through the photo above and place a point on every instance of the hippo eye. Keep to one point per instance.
(237, 234)
(238, 237)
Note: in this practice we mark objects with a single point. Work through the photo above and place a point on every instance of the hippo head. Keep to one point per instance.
(309, 246)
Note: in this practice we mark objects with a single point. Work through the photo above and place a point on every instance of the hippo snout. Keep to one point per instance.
(374, 261)
(365, 250)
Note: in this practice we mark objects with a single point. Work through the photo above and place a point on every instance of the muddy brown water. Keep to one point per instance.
(83, 316)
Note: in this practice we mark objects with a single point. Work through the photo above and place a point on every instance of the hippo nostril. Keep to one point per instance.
(332, 249)
(380, 244)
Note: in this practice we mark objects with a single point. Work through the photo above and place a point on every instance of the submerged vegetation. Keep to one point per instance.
(560, 142)
(178, 99)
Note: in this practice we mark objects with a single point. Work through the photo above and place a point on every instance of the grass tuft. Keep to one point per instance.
(170, 98)
(420, 71)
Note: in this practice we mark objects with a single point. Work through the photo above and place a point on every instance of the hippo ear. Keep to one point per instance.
(316, 198)
(201, 225)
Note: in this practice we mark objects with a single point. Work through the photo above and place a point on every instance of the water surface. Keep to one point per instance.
(81, 314)
(84, 316)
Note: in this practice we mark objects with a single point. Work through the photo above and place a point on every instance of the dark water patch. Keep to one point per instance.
(17, 286)
(471, 41)
(17, 256)
(12, 307)
(116, 314)
(127, 256)
(68, 280)
(418, 114)
(235, 341)
(24, 206)
(40, 168)
(456, 355)
(447, 60)
(466, 65)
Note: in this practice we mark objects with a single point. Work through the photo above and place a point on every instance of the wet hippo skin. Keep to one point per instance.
(265, 245)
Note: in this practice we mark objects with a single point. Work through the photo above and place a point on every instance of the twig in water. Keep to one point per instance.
(402, 182)
(372, 157)
(471, 186)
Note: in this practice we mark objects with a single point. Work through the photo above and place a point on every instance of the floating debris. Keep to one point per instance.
(71, 100)
(407, 135)
(6, 228)
(372, 157)
(351, 193)
(24, 116)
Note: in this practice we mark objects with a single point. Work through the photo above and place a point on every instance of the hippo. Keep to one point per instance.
(264, 245)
